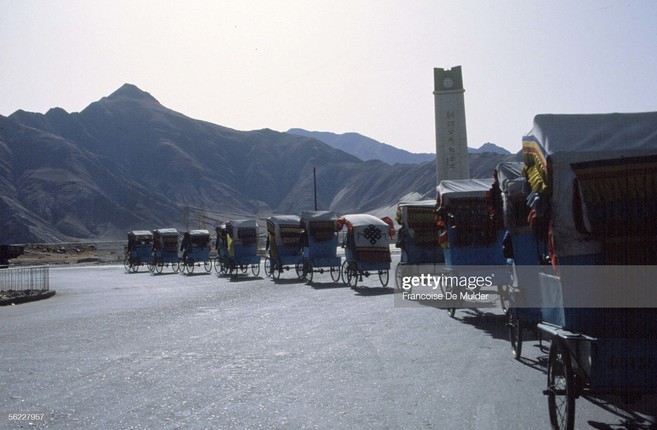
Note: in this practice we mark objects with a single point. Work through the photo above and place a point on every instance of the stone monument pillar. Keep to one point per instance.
(451, 140)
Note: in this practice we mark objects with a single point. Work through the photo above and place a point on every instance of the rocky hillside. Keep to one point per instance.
(127, 162)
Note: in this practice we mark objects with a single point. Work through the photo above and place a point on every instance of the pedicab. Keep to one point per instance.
(138, 251)
(283, 245)
(471, 238)
(417, 238)
(195, 248)
(319, 244)
(165, 250)
(521, 247)
(594, 188)
(237, 247)
(366, 247)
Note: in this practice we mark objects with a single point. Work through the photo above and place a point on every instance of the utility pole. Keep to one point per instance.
(315, 186)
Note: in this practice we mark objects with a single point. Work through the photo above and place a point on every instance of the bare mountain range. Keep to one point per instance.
(367, 148)
(126, 162)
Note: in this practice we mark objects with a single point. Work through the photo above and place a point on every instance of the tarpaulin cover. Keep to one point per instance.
(283, 230)
(621, 147)
(419, 220)
(513, 188)
(140, 233)
(449, 190)
(320, 225)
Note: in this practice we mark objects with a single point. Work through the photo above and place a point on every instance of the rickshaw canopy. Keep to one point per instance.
(140, 233)
(425, 208)
(608, 157)
(166, 231)
(362, 226)
(199, 233)
(455, 189)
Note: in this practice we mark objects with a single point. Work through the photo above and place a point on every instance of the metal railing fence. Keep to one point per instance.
(25, 278)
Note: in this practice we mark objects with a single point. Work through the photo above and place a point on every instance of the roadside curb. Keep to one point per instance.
(27, 298)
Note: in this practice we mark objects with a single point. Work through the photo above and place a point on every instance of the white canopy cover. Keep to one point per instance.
(368, 230)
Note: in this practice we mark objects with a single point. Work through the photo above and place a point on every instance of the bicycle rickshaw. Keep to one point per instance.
(195, 247)
(165, 250)
(367, 247)
(520, 245)
(319, 244)
(418, 239)
(237, 247)
(471, 239)
(283, 245)
(594, 185)
(138, 251)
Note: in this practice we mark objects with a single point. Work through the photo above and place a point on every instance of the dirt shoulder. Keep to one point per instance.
(57, 254)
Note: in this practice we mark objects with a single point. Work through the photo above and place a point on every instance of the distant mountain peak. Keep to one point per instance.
(132, 92)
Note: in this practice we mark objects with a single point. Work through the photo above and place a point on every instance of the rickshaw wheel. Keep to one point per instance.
(150, 267)
(190, 267)
(349, 274)
(384, 277)
(515, 334)
(275, 273)
(399, 276)
(126, 264)
(255, 269)
(135, 267)
(158, 267)
(560, 387)
(298, 268)
(308, 271)
(222, 267)
(335, 273)
(207, 265)
(268, 267)
(505, 299)
(244, 268)
(175, 266)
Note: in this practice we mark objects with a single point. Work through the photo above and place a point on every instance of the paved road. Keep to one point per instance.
(132, 351)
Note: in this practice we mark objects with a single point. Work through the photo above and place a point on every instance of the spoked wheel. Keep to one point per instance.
(384, 277)
(255, 269)
(244, 268)
(175, 266)
(207, 265)
(190, 267)
(350, 274)
(158, 267)
(135, 267)
(298, 268)
(275, 272)
(151, 266)
(399, 274)
(126, 264)
(560, 387)
(308, 271)
(505, 299)
(268, 267)
(515, 334)
(335, 273)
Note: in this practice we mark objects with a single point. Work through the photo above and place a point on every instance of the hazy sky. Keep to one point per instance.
(339, 66)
